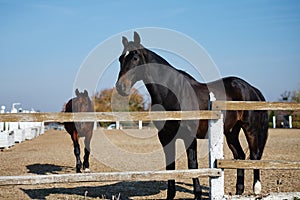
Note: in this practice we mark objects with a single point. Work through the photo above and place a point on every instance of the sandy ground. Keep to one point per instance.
(52, 153)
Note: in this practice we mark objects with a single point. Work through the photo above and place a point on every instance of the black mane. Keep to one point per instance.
(160, 60)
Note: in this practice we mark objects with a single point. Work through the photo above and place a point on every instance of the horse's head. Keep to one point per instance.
(82, 102)
(131, 57)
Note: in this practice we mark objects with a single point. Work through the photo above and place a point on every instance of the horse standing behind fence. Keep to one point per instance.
(174, 90)
(81, 103)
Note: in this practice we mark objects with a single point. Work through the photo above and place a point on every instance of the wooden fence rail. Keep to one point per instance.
(109, 176)
(254, 105)
(148, 116)
(109, 116)
(258, 164)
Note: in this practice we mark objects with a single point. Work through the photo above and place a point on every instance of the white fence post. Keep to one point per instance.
(274, 121)
(290, 121)
(140, 124)
(215, 145)
(117, 124)
(2, 123)
(95, 125)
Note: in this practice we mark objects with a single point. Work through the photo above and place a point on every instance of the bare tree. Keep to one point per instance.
(109, 100)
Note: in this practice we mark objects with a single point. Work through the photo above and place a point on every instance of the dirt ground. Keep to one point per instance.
(52, 153)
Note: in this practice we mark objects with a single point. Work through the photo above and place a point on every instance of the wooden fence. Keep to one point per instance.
(216, 160)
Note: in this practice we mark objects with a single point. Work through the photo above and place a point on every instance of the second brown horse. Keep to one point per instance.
(80, 103)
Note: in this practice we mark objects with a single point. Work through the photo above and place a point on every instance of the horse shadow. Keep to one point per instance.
(124, 190)
(43, 169)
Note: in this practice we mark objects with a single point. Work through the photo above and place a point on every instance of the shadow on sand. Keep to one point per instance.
(43, 169)
(126, 190)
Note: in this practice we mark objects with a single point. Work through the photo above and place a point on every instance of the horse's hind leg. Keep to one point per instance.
(257, 135)
(191, 150)
(255, 154)
(75, 139)
(232, 138)
(87, 150)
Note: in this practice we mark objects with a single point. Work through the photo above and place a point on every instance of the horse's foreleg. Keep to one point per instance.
(170, 165)
(169, 150)
(76, 151)
(87, 151)
(191, 150)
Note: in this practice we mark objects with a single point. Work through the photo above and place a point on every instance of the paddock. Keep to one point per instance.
(51, 153)
(142, 164)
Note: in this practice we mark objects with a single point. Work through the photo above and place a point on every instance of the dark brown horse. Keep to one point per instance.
(171, 89)
(81, 103)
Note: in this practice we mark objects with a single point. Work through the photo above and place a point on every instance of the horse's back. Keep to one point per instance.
(234, 89)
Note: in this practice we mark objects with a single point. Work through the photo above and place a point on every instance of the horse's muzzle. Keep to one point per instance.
(123, 87)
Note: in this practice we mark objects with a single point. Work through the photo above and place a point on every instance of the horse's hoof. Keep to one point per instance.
(239, 189)
(198, 196)
(257, 187)
(170, 195)
(87, 170)
(78, 170)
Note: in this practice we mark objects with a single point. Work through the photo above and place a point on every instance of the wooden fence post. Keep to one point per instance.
(215, 148)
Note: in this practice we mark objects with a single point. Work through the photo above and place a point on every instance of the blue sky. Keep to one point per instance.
(44, 43)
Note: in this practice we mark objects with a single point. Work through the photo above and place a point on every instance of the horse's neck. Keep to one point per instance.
(157, 93)
(154, 75)
(166, 83)
(159, 78)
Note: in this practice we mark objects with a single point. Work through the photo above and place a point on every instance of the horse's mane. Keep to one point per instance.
(160, 60)
(186, 74)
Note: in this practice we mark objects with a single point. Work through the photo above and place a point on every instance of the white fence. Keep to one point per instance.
(17, 132)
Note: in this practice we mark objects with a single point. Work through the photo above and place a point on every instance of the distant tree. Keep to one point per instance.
(109, 100)
(295, 96)
(285, 96)
(102, 100)
(289, 96)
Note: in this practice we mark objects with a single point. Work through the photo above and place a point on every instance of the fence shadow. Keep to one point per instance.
(43, 169)
(127, 190)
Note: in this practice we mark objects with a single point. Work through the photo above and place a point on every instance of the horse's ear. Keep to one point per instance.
(124, 41)
(136, 38)
(85, 93)
(77, 92)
